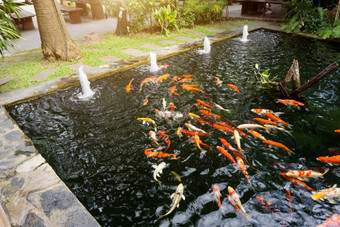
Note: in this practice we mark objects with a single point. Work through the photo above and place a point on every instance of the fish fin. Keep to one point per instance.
(172, 195)
(219, 154)
(161, 171)
(154, 166)
(177, 205)
(331, 200)
(325, 172)
(303, 179)
(183, 197)
(278, 113)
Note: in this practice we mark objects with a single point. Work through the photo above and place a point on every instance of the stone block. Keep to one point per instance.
(13, 136)
(3, 218)
(109, 58)
(168, 42)
(75, 67)
(184, 38)
(43, 74)
(7, 124)
(152, 47)
(31, 164)
(133, 52)
(196, 33)
(5, 80)
(215, 30)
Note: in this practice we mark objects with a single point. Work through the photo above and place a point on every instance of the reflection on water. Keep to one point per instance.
(97, 147)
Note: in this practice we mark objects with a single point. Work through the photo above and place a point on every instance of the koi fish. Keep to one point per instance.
(256, 134)
(222, 128)
(147, 80)
(177, 176)
(152, 134)
(234, 204)
(164, 103)
(128, 87)
(304, 175)
(192, 115)
(262, 112)
(331, 221)
(161, 78)
(337, 130)
(264, 121)
(172, 90)
(158, 154)
(226, 154)
(240, 163)
(179, 133)
(221, 108)
(251, 126)
(165, 138)
(210, 115)
(158, 170)
(289, 199)
(192, 133)
(265, 205)
(232, 86)
(172, 107)
(276, 128)
(194, 128)
(228, 146)
(218, 80)
(176, 198)
(331, 160)
(217, 195)
(163, 66)
(192, 89)
(236, 198)
(238, 140)
(274, 118)
(187, 76)
(290, 102)
(204, 104)
(323, 193)
(199, 143)
(333, 194)
(145, 102)
(147, 120)
(184, 80)
(278, 145)
(190, 86)
(334, 150)
(163, 115)
(295, 181)
(174, 79)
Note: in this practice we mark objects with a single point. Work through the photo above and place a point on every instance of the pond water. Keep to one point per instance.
(97, 146)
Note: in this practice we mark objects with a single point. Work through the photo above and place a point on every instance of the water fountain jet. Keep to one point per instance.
(207, 46)
(85, 85)
(153, 62)
(245, 34)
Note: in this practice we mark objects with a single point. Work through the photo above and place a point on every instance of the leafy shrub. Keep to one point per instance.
(166, 18)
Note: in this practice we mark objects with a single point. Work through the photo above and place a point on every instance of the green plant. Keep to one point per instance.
(166, 19)
(140, 14)
(264, 77)
(8, 32)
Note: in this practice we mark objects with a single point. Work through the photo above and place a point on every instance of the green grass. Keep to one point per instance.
(26, 64)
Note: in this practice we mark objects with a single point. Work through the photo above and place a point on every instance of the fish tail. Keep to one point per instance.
(325, 172)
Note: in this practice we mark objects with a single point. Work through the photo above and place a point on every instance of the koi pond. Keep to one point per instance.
(97, 146)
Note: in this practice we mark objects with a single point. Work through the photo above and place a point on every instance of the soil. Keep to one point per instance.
(91, 38)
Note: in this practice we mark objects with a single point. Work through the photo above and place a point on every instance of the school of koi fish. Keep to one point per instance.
(191, 124)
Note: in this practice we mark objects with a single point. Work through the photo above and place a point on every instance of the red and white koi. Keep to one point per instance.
(236, 198)
(304, 175)
(152, 135)
(331, 221)
(262, 112)
(217, 195)
(194, 128)
(295, 181)
(240, 163)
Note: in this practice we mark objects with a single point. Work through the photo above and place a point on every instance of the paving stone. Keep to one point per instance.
(168, 42)
(184, 38)
(6, 79)
(228, 26)
(56, 199)
(3, 218)
(196, 33)
(7, 124)
(215, 30)
(30, 164)
(13, 136)
(153, 47)
(109, 58)
(43, 74)
(133, 52)
(13, 186)
(22, 148)
(33, 220)
(75, 67)
(239, 24)
(3, 117)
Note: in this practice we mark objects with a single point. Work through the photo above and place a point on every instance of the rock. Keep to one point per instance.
(14, 186)
(30, 164)
(7, 124)
(56, 199)
(33, 220)
(13, 136)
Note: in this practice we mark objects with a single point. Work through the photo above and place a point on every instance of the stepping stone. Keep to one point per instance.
(196, 33)
(215, 30)
(6, 79)
(109, 58)
(238, 24)
(43, 74)
(75, 67)
(152, 47)
(228, 26)
(133, 52)
(168, 42)
(184, 38)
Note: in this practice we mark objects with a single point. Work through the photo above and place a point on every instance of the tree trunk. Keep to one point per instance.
(56, 42)
(337, 11)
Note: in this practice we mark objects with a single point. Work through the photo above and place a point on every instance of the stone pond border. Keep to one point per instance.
(31, 193)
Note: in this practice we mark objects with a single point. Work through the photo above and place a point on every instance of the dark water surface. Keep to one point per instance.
(97, 146)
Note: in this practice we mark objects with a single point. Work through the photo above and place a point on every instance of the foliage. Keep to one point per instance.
(264, 77)
(166, 18)
(140, 13)
(8, 32)
(304, 17)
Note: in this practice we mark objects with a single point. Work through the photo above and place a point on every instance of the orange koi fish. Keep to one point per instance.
(158, 154)
(291, 102)
(218, 80)
(187, 76)
(190, 86)
(240, 163)
(192, 89)
(295, 181)
(147, 80)
(265, 205)
(172, 107)
(289, 199)
(152, 135)
(198, 142)
(217, 195)
(337, 130)
(145, 102)
(165, 138)
(163, 66)
(210, 115)
(232, 86)
(128, 88)
(204, 122)
(304, 175)
(228, 146)
(264, 121)
(256, 134)
(204, 104)
(192, 133)
(161, 78)
(331, 221)
(172, 89)
(226, 154)
(332, 159)
(176, 78)
(222, 128)
(273, 143)
(274, 118)
(184, 80)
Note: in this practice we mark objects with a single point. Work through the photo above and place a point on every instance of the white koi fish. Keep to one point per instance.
(238, 140)
(194, 128)
(158, 170)
(176, 198)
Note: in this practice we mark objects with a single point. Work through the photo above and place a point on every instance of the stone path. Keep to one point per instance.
(196, 33)
(6, 80)
(215, 30)
(168, 42)
(75, 67)
(184, 38)
(43, 74)
(109, 58)
(152, 47)
(133, 52)
(31, 192)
